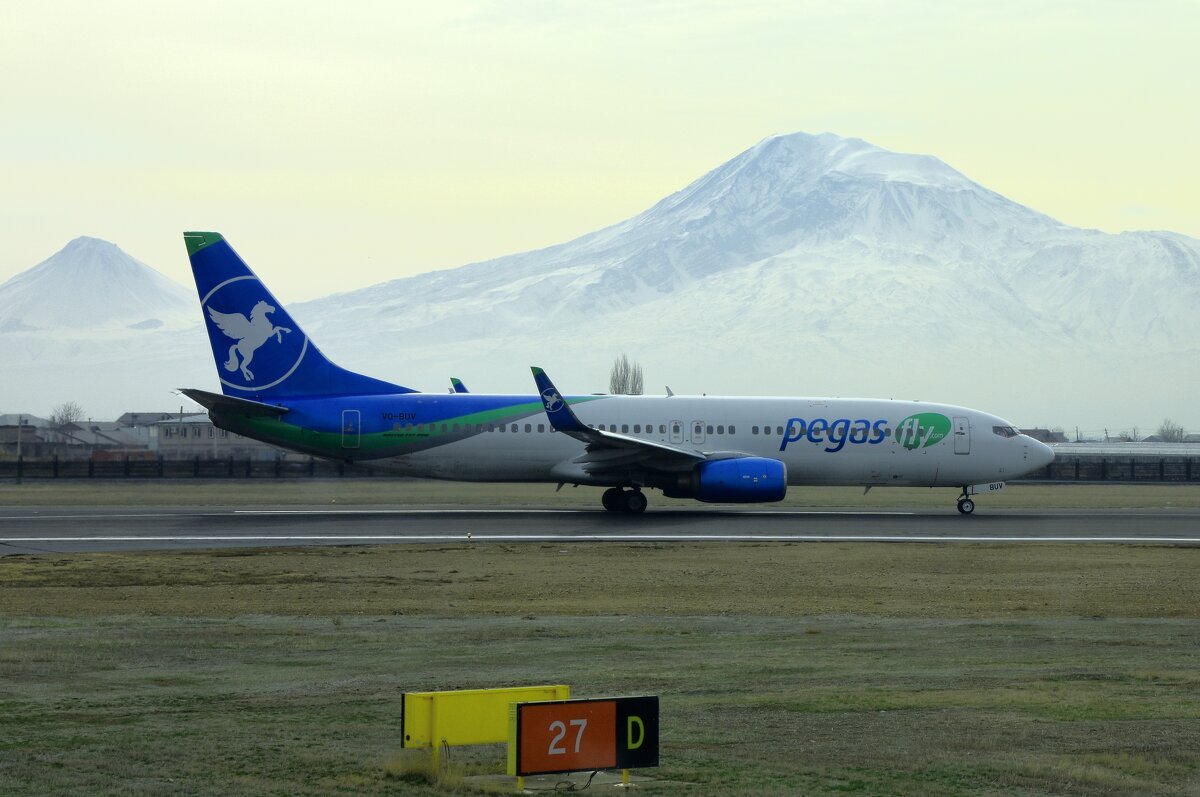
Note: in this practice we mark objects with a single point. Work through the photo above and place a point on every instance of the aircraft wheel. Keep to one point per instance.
(635, 502)
(612, 499)
(966, 506)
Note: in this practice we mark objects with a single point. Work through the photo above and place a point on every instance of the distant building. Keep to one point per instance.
(12, 418)
(135, 419)
(136, 435)
(33, 441)
(1045, 435)
(191, 436)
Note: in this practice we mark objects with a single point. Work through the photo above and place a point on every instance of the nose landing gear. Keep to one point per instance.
(965, 504)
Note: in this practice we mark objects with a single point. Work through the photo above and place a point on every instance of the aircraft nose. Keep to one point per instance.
(1042, 454)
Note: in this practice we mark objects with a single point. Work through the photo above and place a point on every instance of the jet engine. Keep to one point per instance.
(745, 480)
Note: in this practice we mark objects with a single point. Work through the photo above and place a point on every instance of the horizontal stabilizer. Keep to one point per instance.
(215, 402)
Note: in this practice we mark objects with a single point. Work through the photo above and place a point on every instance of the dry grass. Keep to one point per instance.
(933, 581)
(831, 669)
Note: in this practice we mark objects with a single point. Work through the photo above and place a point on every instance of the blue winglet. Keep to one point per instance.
(562, 419)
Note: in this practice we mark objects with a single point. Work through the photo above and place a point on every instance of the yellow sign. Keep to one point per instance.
(468, 716)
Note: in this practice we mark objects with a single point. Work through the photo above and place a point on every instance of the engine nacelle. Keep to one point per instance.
(746, 480)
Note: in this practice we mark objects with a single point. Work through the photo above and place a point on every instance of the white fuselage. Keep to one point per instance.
(820, 441)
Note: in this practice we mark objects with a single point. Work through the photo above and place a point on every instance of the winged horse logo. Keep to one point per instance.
(250, 334)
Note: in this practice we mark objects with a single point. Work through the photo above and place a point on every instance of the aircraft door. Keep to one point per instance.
(351, 428)
(697, 432)
(962, 436)
(676, 431)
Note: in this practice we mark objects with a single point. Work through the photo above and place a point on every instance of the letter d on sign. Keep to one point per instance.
(639, 717)
(641, 733)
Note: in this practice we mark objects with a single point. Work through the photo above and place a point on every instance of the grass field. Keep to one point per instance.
(783, 669)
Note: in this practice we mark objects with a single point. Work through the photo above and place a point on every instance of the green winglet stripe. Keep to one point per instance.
(196, 241)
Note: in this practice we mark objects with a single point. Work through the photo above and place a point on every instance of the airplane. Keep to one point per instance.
(457, 386)
(277, 386)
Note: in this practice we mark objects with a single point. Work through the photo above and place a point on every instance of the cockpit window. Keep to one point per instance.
(1005, 431)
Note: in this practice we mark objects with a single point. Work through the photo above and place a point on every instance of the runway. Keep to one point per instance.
(42, 530)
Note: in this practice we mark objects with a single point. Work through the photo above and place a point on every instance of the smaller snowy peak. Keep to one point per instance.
(91, 283)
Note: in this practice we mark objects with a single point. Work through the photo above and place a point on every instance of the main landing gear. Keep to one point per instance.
(617, 499)
(965, 504)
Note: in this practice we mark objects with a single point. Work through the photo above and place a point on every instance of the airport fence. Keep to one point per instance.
(195, 468)
(1119, 468)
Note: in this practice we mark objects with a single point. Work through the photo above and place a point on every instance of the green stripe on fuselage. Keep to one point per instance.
(397, 440)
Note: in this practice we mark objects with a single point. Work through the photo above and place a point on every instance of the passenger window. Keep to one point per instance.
(753, 430)
(731, 430)
(625, 428)
(779, 430)
(528, 428)
(720, 429)
(637, 428)
(662, 428)
(541, 428)
(514, 428)
(710, 429)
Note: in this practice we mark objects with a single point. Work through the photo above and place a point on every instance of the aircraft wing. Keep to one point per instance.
(610, 450)
(215, 402)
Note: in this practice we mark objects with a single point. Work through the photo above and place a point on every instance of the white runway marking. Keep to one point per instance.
(463, 537)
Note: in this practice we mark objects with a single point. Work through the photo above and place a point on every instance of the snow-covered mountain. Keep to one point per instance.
(807, 265)
(94, 286)
(812, 265)
(93, 325)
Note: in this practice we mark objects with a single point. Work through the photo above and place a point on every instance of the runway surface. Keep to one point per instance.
(24, 531)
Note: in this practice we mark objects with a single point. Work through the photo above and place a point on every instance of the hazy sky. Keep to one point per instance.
(339, 145)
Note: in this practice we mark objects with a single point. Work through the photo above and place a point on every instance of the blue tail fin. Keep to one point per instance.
(261, 352)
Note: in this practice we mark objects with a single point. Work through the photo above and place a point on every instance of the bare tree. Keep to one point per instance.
(66, 413)
(625, 377)
(1171, 432)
